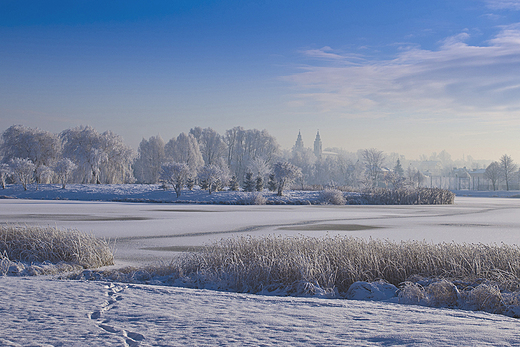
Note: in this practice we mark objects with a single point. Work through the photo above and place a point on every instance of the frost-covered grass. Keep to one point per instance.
(332, 196)
(33, 249)
(468, 276)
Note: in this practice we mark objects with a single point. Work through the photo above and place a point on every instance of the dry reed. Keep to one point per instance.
(34, 244)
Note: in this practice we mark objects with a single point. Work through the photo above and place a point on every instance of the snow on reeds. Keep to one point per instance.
(469, 276)
(404, 196)
(332, 196)
(33, 249)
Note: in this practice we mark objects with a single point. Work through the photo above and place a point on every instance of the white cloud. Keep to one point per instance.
(457, 80)
(503, 4)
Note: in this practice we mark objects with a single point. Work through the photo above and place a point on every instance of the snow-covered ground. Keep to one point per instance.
(46, 311)
(146, 193)
(43, 312)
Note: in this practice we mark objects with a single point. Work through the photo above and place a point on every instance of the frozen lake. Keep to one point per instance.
(150, 232)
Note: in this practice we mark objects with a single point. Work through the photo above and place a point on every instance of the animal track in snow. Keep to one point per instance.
(131, 339)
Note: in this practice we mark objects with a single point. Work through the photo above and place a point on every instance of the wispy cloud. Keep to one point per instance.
(457, 80)
(503, 4)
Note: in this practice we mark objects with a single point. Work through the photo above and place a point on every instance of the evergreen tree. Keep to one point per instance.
(233, 184)
(271, 184)
(190, 183)
(249, 184)
(259, 184)
(398, 169)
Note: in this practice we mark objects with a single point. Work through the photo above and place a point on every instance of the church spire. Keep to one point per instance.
(298, 146)
(317, 145)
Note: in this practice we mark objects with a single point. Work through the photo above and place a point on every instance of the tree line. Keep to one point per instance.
(247, 159)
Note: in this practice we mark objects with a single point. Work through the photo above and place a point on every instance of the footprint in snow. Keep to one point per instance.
(132, 339)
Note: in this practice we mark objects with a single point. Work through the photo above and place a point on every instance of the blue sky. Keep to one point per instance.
(411, 77)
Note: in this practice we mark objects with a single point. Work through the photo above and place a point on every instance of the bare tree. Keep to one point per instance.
(508, 168)
(493, 173)
(373, 160)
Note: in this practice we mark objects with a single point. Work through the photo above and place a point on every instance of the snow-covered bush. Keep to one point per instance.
(257, 198)
(39, 244)
(332, 196)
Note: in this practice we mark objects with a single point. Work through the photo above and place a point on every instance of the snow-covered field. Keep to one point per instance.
(45, 311)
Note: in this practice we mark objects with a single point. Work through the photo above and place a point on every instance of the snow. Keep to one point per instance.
(45, 311)
(145, 193)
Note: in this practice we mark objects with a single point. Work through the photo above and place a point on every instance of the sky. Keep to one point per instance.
(404, 76)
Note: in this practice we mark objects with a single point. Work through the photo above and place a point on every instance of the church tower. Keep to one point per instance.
(318, 146)
(298, 146)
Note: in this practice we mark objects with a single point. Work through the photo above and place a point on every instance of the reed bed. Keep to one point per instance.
(251, 264)
(276, 263)
(34, 244)
(405, 196)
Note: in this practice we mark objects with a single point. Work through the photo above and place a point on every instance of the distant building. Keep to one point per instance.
(318, 147)
(298, 146)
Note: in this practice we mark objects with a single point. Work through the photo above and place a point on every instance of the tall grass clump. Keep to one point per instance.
(332, 196)
(34, 244)
(404, 196)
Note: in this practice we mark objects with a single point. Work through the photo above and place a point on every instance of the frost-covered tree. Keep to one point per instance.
(398, 168)
(5, 171)
(305, 159)
(23, 171)
(41, 147)
(43, 174)
(285, 173)
(100, 158)
(184, 149)
(64, 169)
(214, 176)
(175, 174)
(493, 173)
(373, 160)
(211, 144)
(245, 146)
(150, 157)
(507, 168)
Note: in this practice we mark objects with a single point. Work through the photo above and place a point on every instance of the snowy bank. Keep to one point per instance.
(156, 194)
